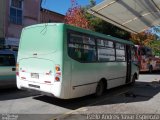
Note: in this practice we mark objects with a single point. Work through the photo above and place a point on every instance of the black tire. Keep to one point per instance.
(100, 89)
(150, 69)
(133, 80)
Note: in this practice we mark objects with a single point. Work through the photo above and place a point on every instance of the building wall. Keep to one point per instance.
(2, 20)
(30, 16)
(49, 16)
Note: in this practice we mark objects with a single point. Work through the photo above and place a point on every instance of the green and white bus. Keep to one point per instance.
(68, 62)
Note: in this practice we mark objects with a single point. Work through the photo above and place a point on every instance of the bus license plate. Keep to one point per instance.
(35, 75)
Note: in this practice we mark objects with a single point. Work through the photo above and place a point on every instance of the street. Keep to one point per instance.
(142, 98)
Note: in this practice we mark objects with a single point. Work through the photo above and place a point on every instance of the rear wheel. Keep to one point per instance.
(100, 88)
(133, 80)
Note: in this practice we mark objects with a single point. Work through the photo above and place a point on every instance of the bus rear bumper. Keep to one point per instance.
(53, 90)
(37, 91)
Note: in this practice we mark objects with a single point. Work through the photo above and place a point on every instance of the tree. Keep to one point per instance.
(155, 45)
(147, 39)
(75, 16)
(78, 16)
(92, 20)
(109, 29)
(143, 38)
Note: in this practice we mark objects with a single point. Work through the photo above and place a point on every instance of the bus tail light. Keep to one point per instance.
(57, 73)
(17, 69)
(57, 68)
(57, 79)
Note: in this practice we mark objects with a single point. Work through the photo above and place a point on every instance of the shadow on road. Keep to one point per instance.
(14, 93)
(82, 101)
(141, 91)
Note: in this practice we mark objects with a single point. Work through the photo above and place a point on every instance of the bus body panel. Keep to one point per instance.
(86, 76)
(39, 56)
(43, 47)
(135, 70)
(7, 68)
(88, 72)
(7, 77)
(37, 71)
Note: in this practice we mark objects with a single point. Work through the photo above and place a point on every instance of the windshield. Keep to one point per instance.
(146, 51)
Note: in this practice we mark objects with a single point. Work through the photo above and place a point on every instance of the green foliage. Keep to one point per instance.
(155, 45)
(107, 28)
(143, 38)
(78, 16)
(147, 39)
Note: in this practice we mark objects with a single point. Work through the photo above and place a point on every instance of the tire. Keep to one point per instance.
(150, 69)
(100, 89)
(133, 80)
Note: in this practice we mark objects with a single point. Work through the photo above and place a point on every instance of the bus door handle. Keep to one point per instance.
(13, 69)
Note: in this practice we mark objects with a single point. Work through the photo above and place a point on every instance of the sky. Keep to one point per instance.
(61, 6)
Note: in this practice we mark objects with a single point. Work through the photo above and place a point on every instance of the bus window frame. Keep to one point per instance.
(120, 49)
(103, 46)
(96, 46)
(82, 34)
(9, 58)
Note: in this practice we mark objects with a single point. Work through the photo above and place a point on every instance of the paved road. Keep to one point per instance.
(144, 97)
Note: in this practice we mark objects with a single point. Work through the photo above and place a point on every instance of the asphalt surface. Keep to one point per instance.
(142, 98)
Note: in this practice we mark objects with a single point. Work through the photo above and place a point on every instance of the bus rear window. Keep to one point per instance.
(7, 60)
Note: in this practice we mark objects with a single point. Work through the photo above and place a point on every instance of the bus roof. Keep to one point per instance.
(85, 31)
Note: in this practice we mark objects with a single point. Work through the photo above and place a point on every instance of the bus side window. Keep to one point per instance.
(1, 61)
(78, 54)
(82, 48)
(74, 53)
(106, 50)
(12, 61)
(89, 55)
(120, 52)
(7, 60)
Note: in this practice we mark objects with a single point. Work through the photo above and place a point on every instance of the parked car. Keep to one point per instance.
(7, 68)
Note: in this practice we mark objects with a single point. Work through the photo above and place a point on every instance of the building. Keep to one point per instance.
(2, 21)
(17, 14)
(50, 16)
